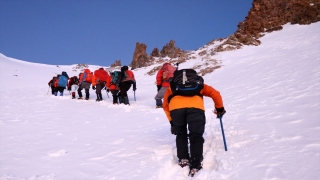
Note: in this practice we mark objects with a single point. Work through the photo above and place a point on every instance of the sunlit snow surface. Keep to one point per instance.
(271, 94)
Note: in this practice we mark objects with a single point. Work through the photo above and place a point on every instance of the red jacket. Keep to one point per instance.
(100, 76)
(84, 76)
(110, 85)
(160, 80)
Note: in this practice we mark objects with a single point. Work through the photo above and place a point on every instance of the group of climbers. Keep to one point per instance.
(58, 83)
(182, 92)
(118, 82)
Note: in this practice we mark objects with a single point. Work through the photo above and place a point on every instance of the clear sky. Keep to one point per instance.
(98, 32)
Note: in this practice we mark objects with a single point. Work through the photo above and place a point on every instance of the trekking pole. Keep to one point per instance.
(134, 95)
(107, 93)
(48, 90)
(224, 138)
(177, 64)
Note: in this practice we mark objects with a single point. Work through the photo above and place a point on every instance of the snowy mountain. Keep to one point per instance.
(271, 94)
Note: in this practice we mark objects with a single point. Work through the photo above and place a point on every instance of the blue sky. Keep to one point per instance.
(98, 32)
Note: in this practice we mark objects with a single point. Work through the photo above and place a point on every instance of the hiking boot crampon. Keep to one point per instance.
(194, 170)
(183, 162)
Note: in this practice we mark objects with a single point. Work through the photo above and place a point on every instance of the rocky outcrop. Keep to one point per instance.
(155, 52)
(140, 56)
(170, 50)
(271, 15)
(80, 67)
(116, 63)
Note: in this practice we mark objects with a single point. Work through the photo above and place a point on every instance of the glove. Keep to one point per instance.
(93, 87)
(159, 87)
(173, 129)
(220, 112)
(108, 90)
(69, 88)
(104, 88)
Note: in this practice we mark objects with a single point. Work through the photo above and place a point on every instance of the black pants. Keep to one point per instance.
(86, 86)
(115, 95)
(124, 87)
(99, 87)
(52, 89)
(60, 89)
(86, 91)
(194, 119)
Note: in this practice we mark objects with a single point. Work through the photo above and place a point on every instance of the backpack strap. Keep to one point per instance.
(171, 96)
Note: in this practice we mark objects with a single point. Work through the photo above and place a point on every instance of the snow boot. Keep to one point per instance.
(126, 100)
(80, 98)
(55, 93)
(158, 102)
(194, 170)
(195, 166)
(120, 99)
(73, 95)
(115, 99)
(61, 93)
(183, 162)
(100, 96)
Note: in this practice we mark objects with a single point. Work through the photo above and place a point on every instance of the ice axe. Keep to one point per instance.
(224, 138)
(222, 130)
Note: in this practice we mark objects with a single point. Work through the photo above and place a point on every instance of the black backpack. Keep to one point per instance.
(186, 82)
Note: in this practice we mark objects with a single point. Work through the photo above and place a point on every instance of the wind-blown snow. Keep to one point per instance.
(271, 93)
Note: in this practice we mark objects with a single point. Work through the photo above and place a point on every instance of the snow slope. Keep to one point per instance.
(271, 93)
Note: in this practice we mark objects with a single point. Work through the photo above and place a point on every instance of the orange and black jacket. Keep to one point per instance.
(179, 102)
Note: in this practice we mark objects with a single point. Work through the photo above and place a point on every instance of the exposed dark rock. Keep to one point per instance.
(116, 63)
(140, 57)
(170, 50)
(155, 52)
(270, 15)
